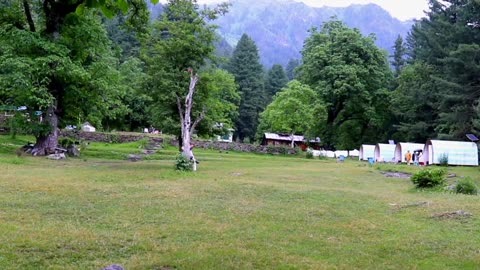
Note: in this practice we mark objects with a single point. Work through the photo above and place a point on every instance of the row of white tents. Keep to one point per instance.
(458, 153)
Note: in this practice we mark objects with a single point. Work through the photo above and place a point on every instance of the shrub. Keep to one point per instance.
(283, 150)
(66, 142)
(183, 163)
(428, 178)
(443, 159)
(143, 143)
(466, 186)
(309, 154)
(322, 156)
(270, 149)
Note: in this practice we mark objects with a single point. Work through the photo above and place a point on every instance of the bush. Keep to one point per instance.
(466, 186)
(428, 178)
(309, 154)
(183, 163)
(322, 156)
(443, 159)
(65, 142)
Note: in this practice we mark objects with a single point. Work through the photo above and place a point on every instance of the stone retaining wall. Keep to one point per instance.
(243, 147)
(221, 146)
(102, 137)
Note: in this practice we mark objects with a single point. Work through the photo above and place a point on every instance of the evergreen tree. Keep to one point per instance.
(415, 104)
(398, 58)
(351, 74)
(448, 41)
(275, 81)
(245, 66)
(290, 69)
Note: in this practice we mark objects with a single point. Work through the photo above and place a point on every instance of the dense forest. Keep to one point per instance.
(118, 67)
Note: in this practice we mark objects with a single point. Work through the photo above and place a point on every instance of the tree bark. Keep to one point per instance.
(55, 13)
(187, 127)
(46, 144)
(28, 14)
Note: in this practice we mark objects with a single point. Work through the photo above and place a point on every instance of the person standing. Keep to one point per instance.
(408, 157)
(416, 157)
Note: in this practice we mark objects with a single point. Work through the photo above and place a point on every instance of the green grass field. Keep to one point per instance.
(239, 211)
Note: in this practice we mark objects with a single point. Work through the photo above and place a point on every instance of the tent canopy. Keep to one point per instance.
(458, 153)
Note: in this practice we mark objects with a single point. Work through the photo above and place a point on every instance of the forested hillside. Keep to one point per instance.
(279, 27)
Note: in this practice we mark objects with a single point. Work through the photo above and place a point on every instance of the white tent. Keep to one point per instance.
(323, 153)
(402, 148)
(366, 151)
(458, 153)
(87, 127)
(341, 153)
(384, 152)
(353, 153)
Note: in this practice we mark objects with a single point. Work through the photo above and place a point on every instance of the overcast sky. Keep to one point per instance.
(401, 9)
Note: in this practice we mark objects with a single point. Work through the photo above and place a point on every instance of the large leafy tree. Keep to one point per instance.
(181, 43)
(275, 81)
(351, 75)
(245, 66)
(56, 59)
(296, 109)
(221, 100)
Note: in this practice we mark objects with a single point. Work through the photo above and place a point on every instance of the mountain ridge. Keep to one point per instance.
(279, 28)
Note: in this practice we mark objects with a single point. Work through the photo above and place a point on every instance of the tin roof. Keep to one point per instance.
(283, 137)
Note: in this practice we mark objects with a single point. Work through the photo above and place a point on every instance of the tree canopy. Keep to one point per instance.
(351, 75)
(296, 109)
(275, 81)
(445, 57)
(245, 66)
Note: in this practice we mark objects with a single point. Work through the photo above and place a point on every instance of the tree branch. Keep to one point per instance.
(199, 118)
(28, 14)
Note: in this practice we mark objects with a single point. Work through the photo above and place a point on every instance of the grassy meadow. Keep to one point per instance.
(239, 211)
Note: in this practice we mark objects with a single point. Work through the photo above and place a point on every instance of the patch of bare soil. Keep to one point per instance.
(453, 215)
(398, 207)
(397, 175)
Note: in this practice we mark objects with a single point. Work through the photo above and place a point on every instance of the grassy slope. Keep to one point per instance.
(239, 211)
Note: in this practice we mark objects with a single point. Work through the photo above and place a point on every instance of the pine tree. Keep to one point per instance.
(398, 58)
(448, 41)
(290, 69)
(275, 81)
(245, 66)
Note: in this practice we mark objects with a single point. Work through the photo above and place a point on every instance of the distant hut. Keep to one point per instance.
(458, 153)
(279, 139)
(366, 151)
(402, 148)
(384, 152)
(87, 127)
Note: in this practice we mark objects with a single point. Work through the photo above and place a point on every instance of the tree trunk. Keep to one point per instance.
(180, 142)
(55, 13)
(46, 144)
(187, 125)
(293, 141)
